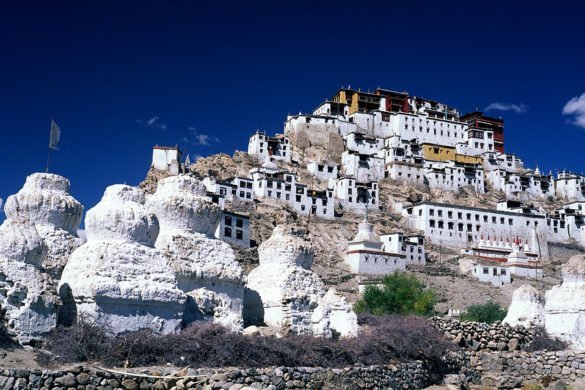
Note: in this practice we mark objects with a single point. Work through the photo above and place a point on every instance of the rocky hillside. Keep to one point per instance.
(446, 270)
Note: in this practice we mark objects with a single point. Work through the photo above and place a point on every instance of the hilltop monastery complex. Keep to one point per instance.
(353, 140)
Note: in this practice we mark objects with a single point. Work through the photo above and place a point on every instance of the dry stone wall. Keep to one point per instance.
(411, 375)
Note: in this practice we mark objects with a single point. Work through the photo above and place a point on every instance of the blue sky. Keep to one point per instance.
(122, 76)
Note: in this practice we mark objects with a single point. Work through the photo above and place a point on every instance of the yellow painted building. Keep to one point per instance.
(434, 152)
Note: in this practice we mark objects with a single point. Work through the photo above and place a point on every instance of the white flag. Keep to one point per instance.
(55, 135)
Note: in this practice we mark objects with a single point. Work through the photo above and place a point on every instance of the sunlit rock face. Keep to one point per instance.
(526, 308)
(44, 201)
(206, 269)
(282, 291)
(564, 310)
(36, 240)
(118, 278)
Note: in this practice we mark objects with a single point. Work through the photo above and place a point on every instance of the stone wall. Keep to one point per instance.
(413, 375)
(510, 369)
(478, 336)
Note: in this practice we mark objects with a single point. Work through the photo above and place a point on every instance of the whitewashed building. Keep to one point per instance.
(323, 170)
(270, 148)
(167, 159)
(463, 227)
(270, 182)
(365, 168)
(494, 273)
(412, 247)
(363, 144)
(244, 188)
(234, 228)
(365, 254)
(570, 186)
(355, 196)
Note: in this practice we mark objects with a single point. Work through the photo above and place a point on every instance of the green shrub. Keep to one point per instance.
(399, 293)
(488, 313)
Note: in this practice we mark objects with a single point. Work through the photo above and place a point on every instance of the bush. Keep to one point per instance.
(209, 345)
(542, 341)
(400, 293)
(488, 313)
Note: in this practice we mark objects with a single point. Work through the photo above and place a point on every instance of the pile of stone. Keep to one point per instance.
(479, 336)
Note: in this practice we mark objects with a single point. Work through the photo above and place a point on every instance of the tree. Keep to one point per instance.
(399, 293)
(488, 312)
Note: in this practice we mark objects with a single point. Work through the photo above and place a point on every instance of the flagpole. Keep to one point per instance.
(48, 159)
(49, 149)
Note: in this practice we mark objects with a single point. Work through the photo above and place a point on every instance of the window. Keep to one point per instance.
(486, 271)
(227, 232)
(239, 222)
(228, 220)
(239, 235)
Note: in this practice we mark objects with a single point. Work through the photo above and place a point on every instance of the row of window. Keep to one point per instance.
(228, 233)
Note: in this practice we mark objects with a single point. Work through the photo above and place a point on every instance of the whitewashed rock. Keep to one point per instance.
(334, 314)
(564, 310)
(117, 278)
(45, 199)
(21, 242)
(288, 245)
(35, 243)
(527, 307)
(206, 269)
(282, 291)
(179, 203)
(126, 285)
(121, 216)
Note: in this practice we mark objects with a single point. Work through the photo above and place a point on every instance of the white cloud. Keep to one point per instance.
(517, 108)
(575, 108)
(153, 122)
(201, 139)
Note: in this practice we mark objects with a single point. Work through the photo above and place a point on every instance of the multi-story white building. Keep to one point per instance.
(570, 186)
(412, 247)
(353, 195)
(234, 228)
(270, 148)
(464, 227)
(244, 188)
(323, 170)
(365, 168)
(270, 182)
(363, 144)
(521, 186)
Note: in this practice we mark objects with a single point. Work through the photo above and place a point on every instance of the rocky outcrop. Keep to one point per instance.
(35, 243)
(526, 307)
(284, 293)
(118, 278)
(564, 310)
(206, 269)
